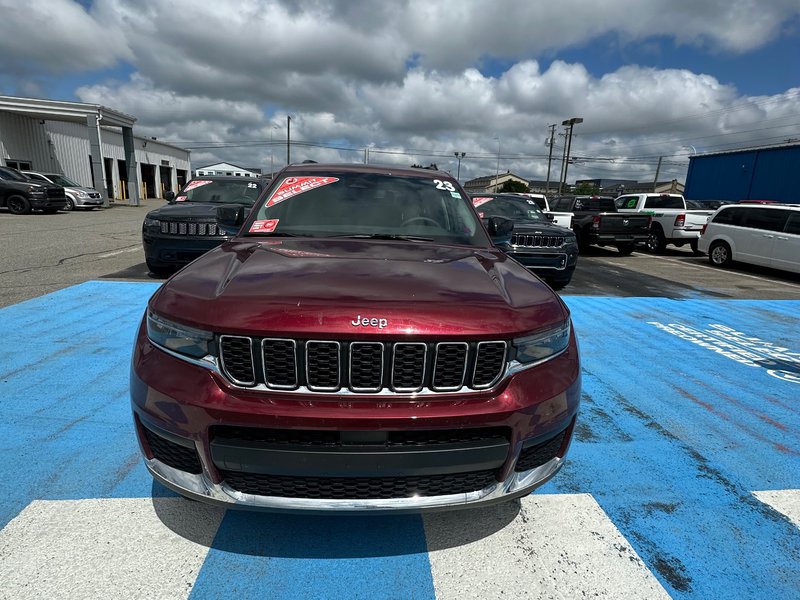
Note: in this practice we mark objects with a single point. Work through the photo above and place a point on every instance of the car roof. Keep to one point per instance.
(45, 173)
(362, 168)
(224, 178)
(769, 206)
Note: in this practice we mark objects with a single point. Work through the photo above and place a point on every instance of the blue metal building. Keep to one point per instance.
(766, 173)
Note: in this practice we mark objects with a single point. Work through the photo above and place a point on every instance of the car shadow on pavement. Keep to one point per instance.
(287, 535)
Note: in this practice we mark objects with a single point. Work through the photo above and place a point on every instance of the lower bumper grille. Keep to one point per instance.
(357, 488)
(172, 454)
(537, 455)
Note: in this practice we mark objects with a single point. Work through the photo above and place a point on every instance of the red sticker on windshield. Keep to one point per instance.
(480, 214)
(292, 186)
(265, 226)
(195, 184)
(180, 199)
(476, 202)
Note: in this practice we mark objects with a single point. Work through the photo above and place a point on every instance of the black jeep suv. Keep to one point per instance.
(175, 234)
(21, 195)
(549, 250)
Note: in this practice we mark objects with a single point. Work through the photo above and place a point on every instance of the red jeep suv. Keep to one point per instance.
(360, 345)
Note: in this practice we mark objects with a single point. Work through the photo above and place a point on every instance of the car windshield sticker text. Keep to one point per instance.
(779, 362)
(195, 184)
(631, 203)
(476, 202)
(292, 186)
(180, 199)
(264, 226)
(444, 185)
(251, 186)
(360, 321)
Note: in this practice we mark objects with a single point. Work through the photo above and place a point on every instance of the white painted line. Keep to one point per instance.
(557, 546)
(132, 249)
(720, 270)
(111, 548)
(786, 502)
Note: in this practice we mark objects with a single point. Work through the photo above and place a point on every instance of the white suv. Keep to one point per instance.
(759, 234)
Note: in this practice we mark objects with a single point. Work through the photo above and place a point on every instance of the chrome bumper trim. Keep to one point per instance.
(202, 488)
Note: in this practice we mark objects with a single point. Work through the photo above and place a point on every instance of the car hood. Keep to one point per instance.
(541, 229)
(307, 288)
(189, 210)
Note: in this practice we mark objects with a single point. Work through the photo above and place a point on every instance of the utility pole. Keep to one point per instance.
(497, 171)
(288, 140)
(658, 170)
(550, 157)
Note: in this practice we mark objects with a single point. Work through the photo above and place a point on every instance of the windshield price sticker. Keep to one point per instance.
(180, 199)
(292, 186)
(195, 184)
(476, 202)
(264, 226)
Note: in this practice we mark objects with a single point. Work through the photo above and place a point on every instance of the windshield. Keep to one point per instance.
(378, 205)
(63, 180)
(220, 192)
(520, 210)
(12, 174)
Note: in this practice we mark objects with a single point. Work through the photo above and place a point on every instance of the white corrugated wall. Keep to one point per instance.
(25, 139)
(72, 150)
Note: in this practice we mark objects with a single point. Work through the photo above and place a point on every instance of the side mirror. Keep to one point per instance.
(169, 197)
(550, 217)
(230, 216)
(499, 228)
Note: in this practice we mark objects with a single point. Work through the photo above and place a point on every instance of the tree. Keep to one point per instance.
(513, 186)
(430, 166)
(586, 189)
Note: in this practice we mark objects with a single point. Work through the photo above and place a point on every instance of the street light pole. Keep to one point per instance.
(571, 123)
(271, 151)
(459, 156)
(288, 139)
(497, 170)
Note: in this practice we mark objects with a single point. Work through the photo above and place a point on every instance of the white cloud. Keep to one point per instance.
(404, 76)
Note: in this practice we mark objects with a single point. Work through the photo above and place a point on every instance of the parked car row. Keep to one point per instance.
(24, 191)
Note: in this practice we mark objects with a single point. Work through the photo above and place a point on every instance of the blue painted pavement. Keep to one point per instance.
(689, 406)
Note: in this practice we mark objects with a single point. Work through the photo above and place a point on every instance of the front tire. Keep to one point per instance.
(70, 205)
(158, 270)
(17, 205)
(656, 242)
(626, 248)
(719, 254)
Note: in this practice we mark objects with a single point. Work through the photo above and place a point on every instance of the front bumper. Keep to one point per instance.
(87, 202)
(186, 405)
(48, 203)
(177, 250)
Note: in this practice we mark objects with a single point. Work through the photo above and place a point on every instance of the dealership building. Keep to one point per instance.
(91, 144)
(763, 173)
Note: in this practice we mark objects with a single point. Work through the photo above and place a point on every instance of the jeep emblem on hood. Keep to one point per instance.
(365, 322)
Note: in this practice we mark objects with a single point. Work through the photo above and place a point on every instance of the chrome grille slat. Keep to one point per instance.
(450, 366)
(323, 366)
(189, 228)
(362, 367)
(537, 241)
(236, 356)
(408, 366)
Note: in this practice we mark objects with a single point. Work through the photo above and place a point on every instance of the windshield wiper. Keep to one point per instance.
(386, 236)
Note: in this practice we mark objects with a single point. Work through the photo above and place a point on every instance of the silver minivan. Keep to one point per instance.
(78, 196)
(758, 234)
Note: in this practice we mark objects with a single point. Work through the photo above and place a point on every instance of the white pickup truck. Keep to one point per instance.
(672, 222)
(564, 219)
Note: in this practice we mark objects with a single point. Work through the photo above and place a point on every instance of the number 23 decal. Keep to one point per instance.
(444, 185)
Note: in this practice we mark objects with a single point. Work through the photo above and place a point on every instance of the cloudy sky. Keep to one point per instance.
(414, 81)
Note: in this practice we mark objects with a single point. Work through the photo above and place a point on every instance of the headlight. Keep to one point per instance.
(82, 194)
(543, 346)
(150, 222)
(178, 338)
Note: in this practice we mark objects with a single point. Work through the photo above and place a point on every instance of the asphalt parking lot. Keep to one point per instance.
(683, 480)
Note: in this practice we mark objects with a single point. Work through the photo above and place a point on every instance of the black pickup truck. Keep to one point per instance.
(597, 222)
